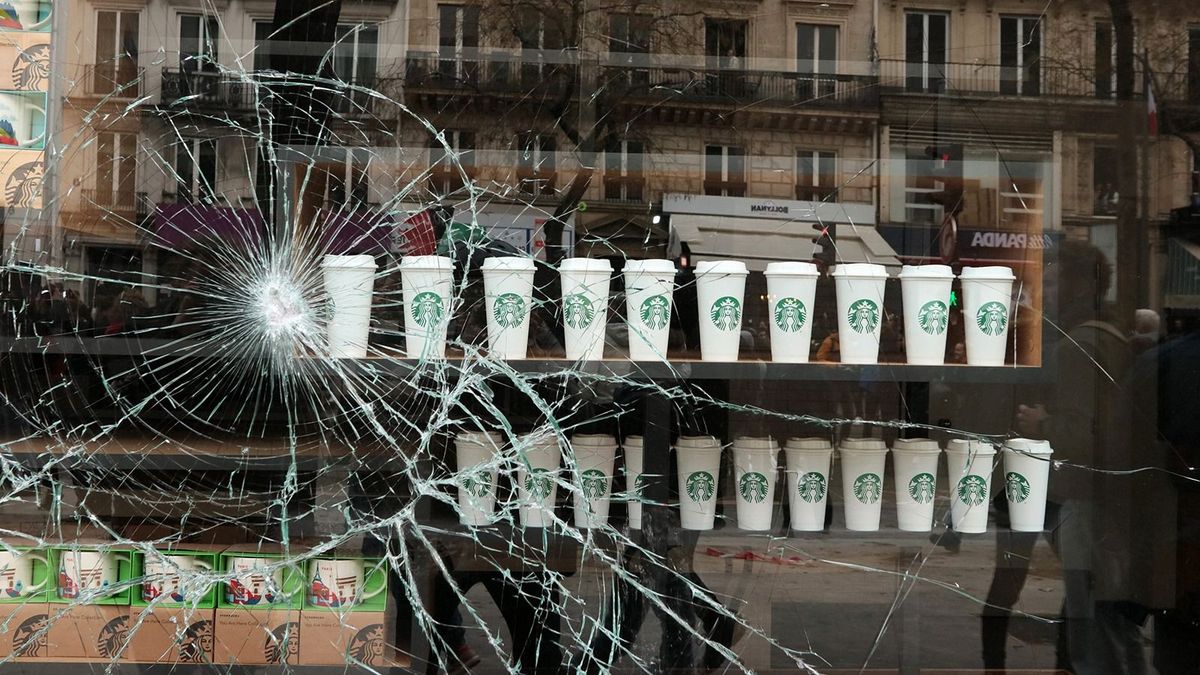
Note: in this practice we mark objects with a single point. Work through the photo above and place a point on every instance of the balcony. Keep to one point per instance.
(498, 73)
(624, 189)
(119, 81)
(725, 188)
(203, 89)
(134, 206)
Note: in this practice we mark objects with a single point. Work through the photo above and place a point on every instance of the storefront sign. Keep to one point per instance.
(779, 209)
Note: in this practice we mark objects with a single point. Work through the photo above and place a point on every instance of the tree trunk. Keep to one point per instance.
(1132, 115)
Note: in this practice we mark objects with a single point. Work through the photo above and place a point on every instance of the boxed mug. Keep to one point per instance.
(92, 573)
(172, 609)
(257, 620)
(24, 575)
(344, 612)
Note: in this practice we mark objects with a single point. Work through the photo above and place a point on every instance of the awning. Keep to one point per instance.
(356, 232)
(758, 241)
(1183, 275)
(186, 226)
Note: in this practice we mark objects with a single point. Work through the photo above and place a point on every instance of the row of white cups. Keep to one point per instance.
(427, 283)
(539, 472)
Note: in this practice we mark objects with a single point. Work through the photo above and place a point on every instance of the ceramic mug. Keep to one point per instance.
(17, 114)
(23, 15)
(80, 571)
(165, 576)
(254, 584)
(16, 573)
(338, 583)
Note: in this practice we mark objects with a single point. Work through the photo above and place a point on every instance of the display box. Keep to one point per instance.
(88, 631)
(14, 582)
(338, 630)
(75, 561)
(171, 634)
(24, 631)
(256, 636)
(204, 571)
(284, 590)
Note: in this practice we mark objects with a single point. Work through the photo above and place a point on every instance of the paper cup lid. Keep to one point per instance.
(426, 262)
(349, 261)
(585, 265)
(720, 267)
(653, 265)
(634, 441)
(698, 442)
(1028, 446)
(916, 445)
(512, 263)
(992, 273)
(854, 444)
(538, 438)
(593, 440)
(792, 269)
(810, 443)
(755, 443)
(862, 270)
(926, 272)
(960, 446)
(478, 437)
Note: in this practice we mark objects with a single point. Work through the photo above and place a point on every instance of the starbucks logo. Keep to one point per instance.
(656, 312)
(726, 313)
(427, 309)
(538, 483)
(594, 483)
(639, 485)
(811, 487)
(868, 487)
(933, 317)
(1017, 487)
(701, 486)
(972, 490)
(509, 310)
(864, 316)
(578, 311)
(753, 487)
(477, 483)
(920, 488)
(790, 315)
(992, 318)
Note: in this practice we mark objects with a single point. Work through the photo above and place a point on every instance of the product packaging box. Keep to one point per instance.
(256, 636)
(24, 631)
(92, 632)
(172, 616)
(257, 619)
(345, 604)
(91, 572)
(25, 576)
(163, 634)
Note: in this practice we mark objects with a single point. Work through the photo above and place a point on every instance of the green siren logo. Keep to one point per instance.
(538, 483)
(920, 488)
(509, 310)
(992, 318)
(726, 313)
(639, 485)
(477, 483)
(933, 317)
(972, 490)
(656, 312)
(578, 311)
(868, 487)
(594, 483)
(790, 315)
(753, 487)
(811, 487)
(427, 309)
(701, 486)
(864, 316)
(1016, 486)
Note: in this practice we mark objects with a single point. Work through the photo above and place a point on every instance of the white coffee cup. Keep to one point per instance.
(428, 282)
(791, 291)
(915, 463)
(18, 115)
(808, 461)
(969, 465)
(863, 461)
(508, 296)
(349, 282)
(83, 571)
(595, 456)
(1026, 481)
(698, 460)
(16, 573)
(257, 582)
(756, 470)
(649, 288)
(720, 293)
(538, 457)
(166, 579)
(634, 483)
(987, 299)
(926, 291)
(860, 289)
(585, 284)
(477, 476)
(28, 15)
(339, 582)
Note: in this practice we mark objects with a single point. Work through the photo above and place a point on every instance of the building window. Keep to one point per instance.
(444, 171)
(1104, 181)
(1020, 55)
(116, 171)
(263, 30)
(355, 58)
(725, 52)
(816, 60)
(816, 178)
(535, 163)
(724, 171)
(196, 170)
(624, 178)
(458, 42)
(116, 69)
(629, 49)
(345, 183)
(541, 44)
(199, 36)
(926, 43)
(1193, 68)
